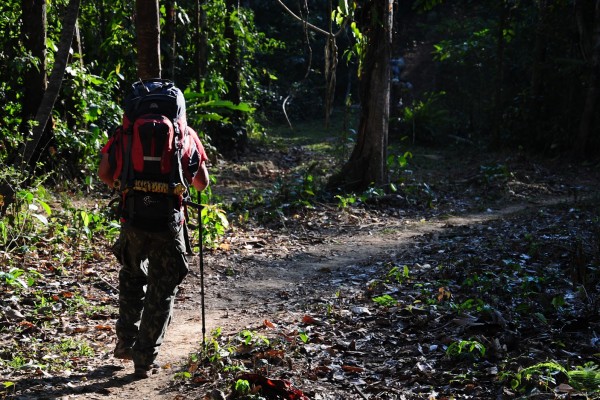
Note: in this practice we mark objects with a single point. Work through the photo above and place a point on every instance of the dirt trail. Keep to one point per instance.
(264, 288)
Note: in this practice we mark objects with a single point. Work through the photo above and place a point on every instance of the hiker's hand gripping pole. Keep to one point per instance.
(198, 206)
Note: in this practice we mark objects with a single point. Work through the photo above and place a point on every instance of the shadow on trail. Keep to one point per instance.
(99, 381)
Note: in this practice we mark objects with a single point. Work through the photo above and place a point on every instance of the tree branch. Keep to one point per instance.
(309, 25)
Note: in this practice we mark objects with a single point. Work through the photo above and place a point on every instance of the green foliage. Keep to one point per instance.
(345, 12)
(304, 337)
(182, 375)
(25, 215)
(89, 114)
(250, 44)
(427, 118)
(69, 347)
(242, 386)
(447, 50)
(469, 305)
(397, 165)
(214, 224)
(213, 218)
(584, 378)
(296, 192)
(7, 388)
(17, 361)
(471, 348)
(206, 106)
(544, 374)
(252, 338)
(20, 279)
(385, 300)
(10, 118)
(110, 27)
(398, 274)
(213, 351)
(344, 201)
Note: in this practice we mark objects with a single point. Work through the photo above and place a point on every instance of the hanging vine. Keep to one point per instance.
(331, 54)
(331, 59)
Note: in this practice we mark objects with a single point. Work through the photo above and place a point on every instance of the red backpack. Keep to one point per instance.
(154, 156)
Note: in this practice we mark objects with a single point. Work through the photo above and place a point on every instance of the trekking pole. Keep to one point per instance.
(201, 256)
(198, 206)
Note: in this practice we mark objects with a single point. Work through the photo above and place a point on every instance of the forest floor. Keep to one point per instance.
(480, 268)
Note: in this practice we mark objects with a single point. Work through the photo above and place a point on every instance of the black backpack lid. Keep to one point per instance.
(159, 96)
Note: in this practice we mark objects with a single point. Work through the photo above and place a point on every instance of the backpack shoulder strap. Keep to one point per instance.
(127, 172)
(177, 171)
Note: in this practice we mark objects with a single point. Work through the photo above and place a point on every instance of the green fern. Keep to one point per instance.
(585, 378)
(544, 371)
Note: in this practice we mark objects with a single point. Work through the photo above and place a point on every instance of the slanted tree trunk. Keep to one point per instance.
(147, 28)
(588, 116)
(367, 164)
(58, 71)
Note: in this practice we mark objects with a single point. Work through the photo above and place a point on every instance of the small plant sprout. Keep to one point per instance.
(252, 338)
(345, 201)
(466, 347)
(242, 386)
(385, 300)
(182, 375)
(303, 336)
(398, 274)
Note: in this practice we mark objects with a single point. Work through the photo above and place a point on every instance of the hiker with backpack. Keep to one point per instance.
(151, 160)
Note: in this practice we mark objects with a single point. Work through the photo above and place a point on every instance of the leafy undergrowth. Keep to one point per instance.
(500, 302)
(57, 292)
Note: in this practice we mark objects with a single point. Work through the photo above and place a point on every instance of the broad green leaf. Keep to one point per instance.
(45, 206)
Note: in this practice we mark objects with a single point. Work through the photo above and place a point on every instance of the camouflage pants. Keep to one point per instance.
(153, 266)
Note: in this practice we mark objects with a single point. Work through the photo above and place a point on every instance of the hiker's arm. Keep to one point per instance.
(105, 172)
(200, 181)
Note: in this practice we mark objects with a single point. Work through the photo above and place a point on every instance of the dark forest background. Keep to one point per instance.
(505, 74)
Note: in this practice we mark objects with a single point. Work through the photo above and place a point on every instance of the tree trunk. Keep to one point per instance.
(367, 164)
(33, 33)
(55, 81)
(147, 28)
(170, 40)
(331, 59)
(232, 72)
(201, 43)
(588, 116)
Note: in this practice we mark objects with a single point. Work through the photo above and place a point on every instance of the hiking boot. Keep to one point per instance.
(144, 371)
(123, 350)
